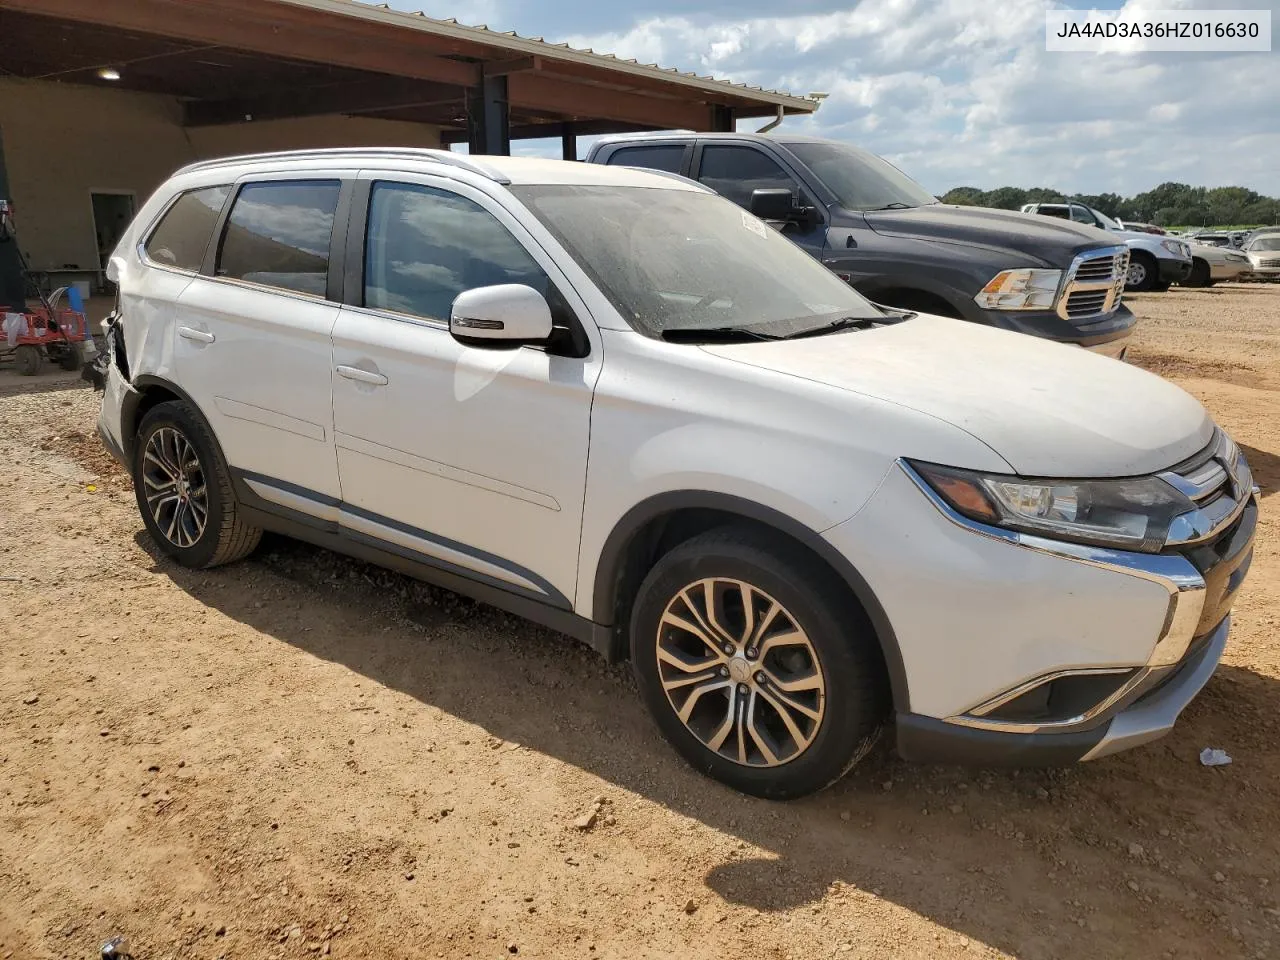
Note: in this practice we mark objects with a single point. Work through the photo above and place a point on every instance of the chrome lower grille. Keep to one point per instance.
(1270, 262)
(1093, 285)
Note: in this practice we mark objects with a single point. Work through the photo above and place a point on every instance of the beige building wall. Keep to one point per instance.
(63, 142)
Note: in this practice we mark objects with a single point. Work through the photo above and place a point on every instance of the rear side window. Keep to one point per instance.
(182, 236)
(278, 235)
(667, 156)
(734, 172)
(1060, 212)
(425, 246)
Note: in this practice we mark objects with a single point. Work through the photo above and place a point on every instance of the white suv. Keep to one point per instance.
(619, 405)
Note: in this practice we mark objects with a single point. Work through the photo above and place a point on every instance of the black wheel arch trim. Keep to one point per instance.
(610, 566)
(129, 418)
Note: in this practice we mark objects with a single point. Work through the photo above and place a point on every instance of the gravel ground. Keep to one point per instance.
(302, 755)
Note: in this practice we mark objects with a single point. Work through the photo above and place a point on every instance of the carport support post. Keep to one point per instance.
(722, 119)
(12, 289)
(568, 143)
(489, 118)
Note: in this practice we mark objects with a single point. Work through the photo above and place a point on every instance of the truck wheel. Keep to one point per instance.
(184, 490)
(756, 664)
(70, 357)
(1199, 276)
(28, 360)
(1143, 272)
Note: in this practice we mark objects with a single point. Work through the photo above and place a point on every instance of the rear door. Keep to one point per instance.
(734, 170)
(252, 344)
(673, 156)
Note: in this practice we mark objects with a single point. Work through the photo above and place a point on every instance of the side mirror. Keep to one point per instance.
(773, 203)
(778, 203)
(507, 314)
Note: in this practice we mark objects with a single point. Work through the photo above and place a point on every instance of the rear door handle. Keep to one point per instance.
(199, 336)
(364, 376)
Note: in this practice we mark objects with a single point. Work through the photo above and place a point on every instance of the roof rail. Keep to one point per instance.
(447, 157)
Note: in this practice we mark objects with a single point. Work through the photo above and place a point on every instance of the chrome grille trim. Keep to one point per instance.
(1093, 284)
(1220, 483)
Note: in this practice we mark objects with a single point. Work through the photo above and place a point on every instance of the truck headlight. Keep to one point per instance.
(1177, 248)
(1020, 290)
(1131, 514)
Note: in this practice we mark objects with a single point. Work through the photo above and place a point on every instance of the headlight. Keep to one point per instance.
(1176, 248)
(1125, 514)
(1020, 290)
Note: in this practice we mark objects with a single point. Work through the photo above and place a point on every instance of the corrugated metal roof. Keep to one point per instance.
(537, 46)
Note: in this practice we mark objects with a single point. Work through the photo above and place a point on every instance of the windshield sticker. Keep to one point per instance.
(754, 225)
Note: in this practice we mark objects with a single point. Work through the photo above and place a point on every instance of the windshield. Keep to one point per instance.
(684, 260)
(860, 180)
(1266, 243)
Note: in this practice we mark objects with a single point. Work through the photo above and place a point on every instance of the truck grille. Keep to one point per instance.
(1094, 284)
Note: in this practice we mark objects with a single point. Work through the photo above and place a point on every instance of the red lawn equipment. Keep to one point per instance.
(30, 335)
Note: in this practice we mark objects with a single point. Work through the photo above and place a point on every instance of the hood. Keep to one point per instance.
(1048, 409)
(1053, 241)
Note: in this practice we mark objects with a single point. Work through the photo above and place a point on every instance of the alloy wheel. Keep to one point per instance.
(740, 673)
(174, 482)
(1137, 273)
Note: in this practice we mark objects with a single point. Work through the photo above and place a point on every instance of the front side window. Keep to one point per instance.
(676, 261)
(424, 246)
(278, 235)
(667, 156)
(182, 236)
(1061, 213)
(735, 172)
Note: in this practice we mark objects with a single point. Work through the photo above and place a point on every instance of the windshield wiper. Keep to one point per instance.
(844, 323)
(714, 335)
(896, 205)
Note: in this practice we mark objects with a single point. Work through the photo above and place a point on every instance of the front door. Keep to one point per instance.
(472, 459)
(252, 341)
(735, 170)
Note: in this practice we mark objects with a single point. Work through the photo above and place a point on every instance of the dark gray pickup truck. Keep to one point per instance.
(889, 237)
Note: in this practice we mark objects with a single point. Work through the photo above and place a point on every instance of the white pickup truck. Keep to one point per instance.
(1155, 262)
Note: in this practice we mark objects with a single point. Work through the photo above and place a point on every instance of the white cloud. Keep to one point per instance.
(963, 92)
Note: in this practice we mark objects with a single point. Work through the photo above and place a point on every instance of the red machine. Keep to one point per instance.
(49, 331)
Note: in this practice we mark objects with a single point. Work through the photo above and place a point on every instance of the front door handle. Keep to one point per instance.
(199, 336)
(364, 376)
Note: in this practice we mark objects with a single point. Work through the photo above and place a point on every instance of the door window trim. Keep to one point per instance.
(337, 236)
(686, 158)
(356, 237)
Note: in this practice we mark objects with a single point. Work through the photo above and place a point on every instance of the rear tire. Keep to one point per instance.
(70, 357)
(28, 360)
(776, 708)
(184, 492)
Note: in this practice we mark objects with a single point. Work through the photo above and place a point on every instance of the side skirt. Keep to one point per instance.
(327, 534)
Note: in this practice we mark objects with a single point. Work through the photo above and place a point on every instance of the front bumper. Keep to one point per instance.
(1149, 716)
(1230, 270)
(1019, 649)
(1094, 334)
(1173, 271)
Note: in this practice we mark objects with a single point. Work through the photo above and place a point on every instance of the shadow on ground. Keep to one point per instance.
(977, 851)
(1265, 466)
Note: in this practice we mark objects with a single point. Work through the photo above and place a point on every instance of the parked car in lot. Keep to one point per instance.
(894, 242)
(617, 404)
(1210, 264)
(1154, 262)
(1212, 239)
(1264, 256)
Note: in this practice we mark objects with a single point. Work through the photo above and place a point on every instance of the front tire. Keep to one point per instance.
(183, 489)
(757, 665)
(1199, 276)
(1143, 273)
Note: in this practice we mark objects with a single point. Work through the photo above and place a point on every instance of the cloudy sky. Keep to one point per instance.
(956, 92)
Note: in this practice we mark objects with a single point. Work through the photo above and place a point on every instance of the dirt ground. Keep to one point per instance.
(305, 756)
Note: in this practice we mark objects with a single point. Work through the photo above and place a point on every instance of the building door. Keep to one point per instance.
(112, 213)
